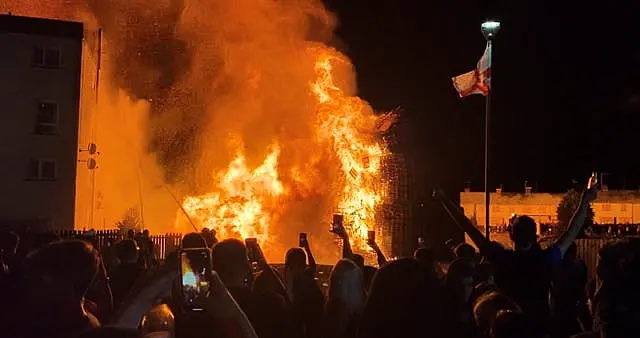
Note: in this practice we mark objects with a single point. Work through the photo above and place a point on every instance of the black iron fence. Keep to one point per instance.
(163, 243)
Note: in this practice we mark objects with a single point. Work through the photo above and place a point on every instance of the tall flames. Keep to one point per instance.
(247, 201)
(348, 124)
(240, 108)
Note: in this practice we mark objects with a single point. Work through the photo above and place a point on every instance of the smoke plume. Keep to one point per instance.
(188, 84)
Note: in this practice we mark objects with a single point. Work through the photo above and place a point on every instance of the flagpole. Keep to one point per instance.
(487, 130)
(489, 30)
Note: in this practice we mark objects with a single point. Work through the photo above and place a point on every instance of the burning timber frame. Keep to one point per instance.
(392, 217)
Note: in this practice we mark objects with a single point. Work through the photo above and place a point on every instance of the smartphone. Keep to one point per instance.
(421, 241)
(338, 222)
(371, 236)
(195, 275)
(303, 240)
(252, 249)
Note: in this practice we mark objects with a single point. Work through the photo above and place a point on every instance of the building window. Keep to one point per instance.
(606, 207)
(45, 57)
(623, 207)
(47, 118)
(42, 170)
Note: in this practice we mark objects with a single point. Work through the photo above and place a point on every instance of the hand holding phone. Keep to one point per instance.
(254, 253)
(303, 243)
(252, 249)
(593, 180)
(371, 237)
(591, 193)
(195, 277)
(421, 241)
(337, 226)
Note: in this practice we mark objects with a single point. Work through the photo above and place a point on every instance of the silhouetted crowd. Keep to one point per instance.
(53, 287)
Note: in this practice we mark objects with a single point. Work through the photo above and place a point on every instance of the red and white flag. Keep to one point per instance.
(477, 81)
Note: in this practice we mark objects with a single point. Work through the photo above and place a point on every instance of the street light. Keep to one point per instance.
(490, 28)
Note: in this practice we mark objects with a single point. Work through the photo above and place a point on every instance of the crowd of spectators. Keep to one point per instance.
(53, 287)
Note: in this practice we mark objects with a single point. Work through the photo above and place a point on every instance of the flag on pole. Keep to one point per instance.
(477, 81)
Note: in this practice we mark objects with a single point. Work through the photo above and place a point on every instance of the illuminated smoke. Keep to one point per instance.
(191, 84)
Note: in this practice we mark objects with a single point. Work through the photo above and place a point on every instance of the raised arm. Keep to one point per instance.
(462, 221)
(155, 285)
(270, 272)
(346, 247)
(225, 312)
(312, 261)
(577, 221)
(382, 260)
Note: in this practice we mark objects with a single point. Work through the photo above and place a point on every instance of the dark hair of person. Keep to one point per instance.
(229, 258)
(74, 261)
(127, 251)
(523, 230)
(400, 294)
(512, 324)
(464, 250)
(487, 307)
(359, 260)
(459, 269)
(295, 258)
(193, 240)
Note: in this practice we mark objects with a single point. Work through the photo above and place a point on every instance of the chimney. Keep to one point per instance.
(467, 189)
(499, 189)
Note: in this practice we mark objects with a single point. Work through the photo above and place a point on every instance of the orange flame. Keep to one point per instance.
(347, 123)
(240, 209)
(247, 200)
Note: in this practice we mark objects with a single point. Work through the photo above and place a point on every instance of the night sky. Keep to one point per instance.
(566, 98)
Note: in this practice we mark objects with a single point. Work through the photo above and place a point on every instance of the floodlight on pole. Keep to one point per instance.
(490, 28)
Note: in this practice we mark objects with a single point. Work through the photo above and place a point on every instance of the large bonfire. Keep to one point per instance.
(242, 109)
(246, 201)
